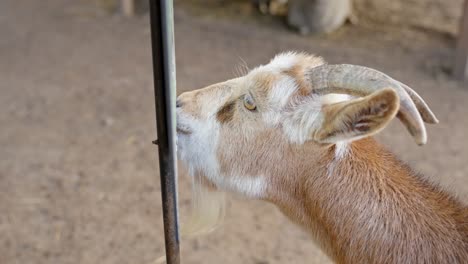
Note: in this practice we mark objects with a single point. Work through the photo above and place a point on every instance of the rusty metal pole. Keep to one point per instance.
(162, 40)
(461, 59)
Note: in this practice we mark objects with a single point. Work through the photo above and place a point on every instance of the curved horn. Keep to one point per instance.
(361, 81)
(426, 113)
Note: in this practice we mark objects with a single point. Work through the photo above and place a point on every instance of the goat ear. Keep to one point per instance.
(358, 118)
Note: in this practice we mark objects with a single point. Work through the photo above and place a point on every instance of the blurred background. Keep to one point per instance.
(78, 173)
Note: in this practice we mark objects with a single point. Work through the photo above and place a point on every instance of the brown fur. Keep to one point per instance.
(297, 72)
(373, 209)
(226, 113)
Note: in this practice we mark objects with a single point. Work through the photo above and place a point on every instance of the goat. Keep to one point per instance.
(296, 132)
(310, 17)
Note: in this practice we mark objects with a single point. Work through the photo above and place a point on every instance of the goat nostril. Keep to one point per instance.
(178, 103)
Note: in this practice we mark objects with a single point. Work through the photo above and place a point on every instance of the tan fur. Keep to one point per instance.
(363, 206)
(373, 209)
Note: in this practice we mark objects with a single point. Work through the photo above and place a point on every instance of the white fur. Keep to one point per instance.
(341, 149)
(198, 151)
(279, 96)
(305, 117)
(250, 186)
(281, 91)
(300, 122)
(334, 98)
(283, 61)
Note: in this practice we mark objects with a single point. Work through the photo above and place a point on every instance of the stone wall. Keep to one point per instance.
(439, 15)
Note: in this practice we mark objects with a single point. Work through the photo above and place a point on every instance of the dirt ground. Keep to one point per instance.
(78, 174)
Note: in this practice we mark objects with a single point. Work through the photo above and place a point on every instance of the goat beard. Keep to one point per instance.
(207, 209)
(207, 212)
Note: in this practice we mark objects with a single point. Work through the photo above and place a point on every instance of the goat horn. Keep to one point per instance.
(361, 81)
(426, 113)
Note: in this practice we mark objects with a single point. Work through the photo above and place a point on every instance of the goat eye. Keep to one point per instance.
(249, 104)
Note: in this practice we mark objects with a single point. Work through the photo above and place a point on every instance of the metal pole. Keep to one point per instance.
(162, 40)
(461, 55)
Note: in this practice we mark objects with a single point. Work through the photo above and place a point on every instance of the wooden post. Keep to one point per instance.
(461, 59)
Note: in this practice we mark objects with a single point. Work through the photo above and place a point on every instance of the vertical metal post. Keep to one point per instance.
(461, 56)
(162, 40)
